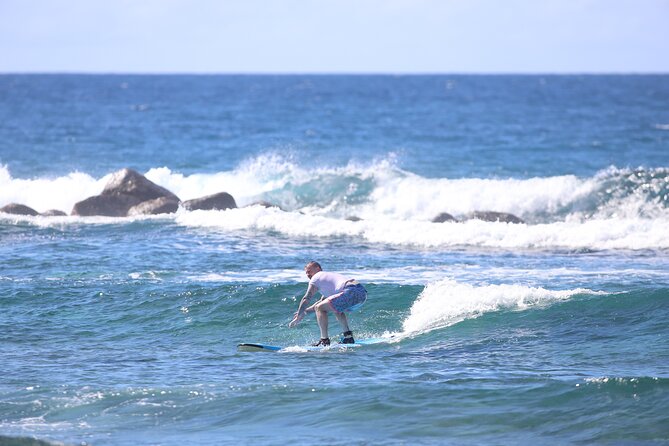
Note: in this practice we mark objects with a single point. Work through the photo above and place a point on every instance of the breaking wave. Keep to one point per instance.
(447, 302)
(382, 203)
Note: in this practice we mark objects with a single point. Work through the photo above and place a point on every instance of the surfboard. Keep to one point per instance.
(258, 347)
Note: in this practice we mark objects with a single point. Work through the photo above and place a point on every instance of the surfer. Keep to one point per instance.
(341, 295)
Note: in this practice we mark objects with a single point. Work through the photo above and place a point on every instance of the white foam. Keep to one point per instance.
(615, 209)
(394, 194)
(411, 197)
(447, 302)
(62, 222)
(252, 178)
(43, 194)
(601, 234)
(632, 193)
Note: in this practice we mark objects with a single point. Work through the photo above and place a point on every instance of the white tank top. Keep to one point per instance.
(328, 283)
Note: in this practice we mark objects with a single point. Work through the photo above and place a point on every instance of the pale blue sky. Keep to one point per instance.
(328, 36)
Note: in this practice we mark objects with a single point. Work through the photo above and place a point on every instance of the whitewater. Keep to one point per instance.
(614, 209)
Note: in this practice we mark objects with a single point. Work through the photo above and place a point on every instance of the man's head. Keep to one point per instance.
(312, 268)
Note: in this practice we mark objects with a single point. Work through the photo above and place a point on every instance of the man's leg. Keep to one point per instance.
(343, 320)
(321, 308)
(348, 334)
(322, 317)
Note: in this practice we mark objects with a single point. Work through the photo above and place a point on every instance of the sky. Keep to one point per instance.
(334, 36)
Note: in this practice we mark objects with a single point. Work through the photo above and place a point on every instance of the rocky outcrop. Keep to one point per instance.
(126, 189)
(18, 209)
(219, 201)
(162, 205)
(108, 205)
(53, 213)
(443, 217)
(502, 217)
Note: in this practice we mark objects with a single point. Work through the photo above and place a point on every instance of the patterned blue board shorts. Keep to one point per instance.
(350, 299)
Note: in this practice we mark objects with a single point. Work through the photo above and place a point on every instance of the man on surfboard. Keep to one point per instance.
(341, 295)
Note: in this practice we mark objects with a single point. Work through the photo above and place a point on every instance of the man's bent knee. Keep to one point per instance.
(323, 306)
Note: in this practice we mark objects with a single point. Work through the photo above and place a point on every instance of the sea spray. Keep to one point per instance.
(381, 190)
(47, 193)
(634, 234)
(447, 302)
(589, 235)
(253, 177)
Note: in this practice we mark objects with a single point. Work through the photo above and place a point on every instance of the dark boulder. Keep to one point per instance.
(53, 213)
(501, 217)
(162, 205)
(219, 201)
(353, 218)
(131, 182)
(443, 217)
(125, 189)
(18, 209)
(116, 205)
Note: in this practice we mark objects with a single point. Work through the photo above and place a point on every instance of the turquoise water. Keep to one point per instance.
(124, 331)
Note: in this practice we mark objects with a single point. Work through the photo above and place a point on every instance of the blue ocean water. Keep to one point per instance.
(124, 330)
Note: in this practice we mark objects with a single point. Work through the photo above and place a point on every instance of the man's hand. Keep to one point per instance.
(296, 319)
(301, 310)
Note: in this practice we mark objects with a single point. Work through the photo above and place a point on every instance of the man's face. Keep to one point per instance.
(311, 270)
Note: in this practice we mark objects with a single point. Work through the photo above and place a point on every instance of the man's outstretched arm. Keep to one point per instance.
(304, 306)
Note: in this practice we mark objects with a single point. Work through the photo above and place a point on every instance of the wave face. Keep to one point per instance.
(614, 209)
(447, 302)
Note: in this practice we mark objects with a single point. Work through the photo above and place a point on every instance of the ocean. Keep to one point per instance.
(117, 331)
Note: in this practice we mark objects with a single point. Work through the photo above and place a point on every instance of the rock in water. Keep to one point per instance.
(125, 189)
(53, 213)
(219, 201)
(18, 209)
(502, 217)
(162, 205)
(443, 217)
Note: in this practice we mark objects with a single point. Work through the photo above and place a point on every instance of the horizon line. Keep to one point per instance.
(334, 73)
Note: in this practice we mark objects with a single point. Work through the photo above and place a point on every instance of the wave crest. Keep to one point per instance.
(447, 302)
(614, 209)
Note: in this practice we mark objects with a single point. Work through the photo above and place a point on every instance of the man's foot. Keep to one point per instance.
(348, 338)
(324, 342)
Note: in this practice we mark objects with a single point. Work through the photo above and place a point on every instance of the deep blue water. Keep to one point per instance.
(124, 330)
(484, 125)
